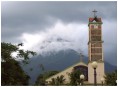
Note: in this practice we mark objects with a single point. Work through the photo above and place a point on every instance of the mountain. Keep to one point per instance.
(56, 61)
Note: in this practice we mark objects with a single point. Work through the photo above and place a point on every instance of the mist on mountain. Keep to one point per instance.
(56, 61)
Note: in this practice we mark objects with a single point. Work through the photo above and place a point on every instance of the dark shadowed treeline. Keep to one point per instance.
(11, 71)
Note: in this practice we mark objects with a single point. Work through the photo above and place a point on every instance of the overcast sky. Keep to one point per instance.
(53, 26)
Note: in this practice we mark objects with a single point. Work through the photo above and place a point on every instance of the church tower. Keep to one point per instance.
(95, 48)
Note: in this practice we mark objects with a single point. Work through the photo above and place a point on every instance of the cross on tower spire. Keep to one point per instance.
(94, 12)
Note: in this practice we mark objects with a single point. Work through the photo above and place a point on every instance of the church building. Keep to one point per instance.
(95, 53)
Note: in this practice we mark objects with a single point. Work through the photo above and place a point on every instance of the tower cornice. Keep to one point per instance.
(95, 42)
(95, 23)
(97, 61)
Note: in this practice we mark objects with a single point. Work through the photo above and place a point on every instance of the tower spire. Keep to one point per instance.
(94, 13)
(81, 56)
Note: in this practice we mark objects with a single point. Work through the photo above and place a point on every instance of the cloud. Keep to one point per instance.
(35, 24)
(74, 36)
(110, 41)
(58, 37)
(20, 17)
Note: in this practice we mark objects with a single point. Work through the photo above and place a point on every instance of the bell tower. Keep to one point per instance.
(95, 48)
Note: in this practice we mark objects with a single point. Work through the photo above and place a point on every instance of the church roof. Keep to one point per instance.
(77, 64)
(80, 63)
(95, 18)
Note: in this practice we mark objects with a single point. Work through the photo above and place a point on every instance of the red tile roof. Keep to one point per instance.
(96, 19)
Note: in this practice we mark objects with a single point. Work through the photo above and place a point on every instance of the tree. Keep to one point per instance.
(60, 80)
(11, 71)
(40, 80)
(75, 77)
(110, 78)
(57, 81)
(52, 82)
(42, 77)
(12, 74)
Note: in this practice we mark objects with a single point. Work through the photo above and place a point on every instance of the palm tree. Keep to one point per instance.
(60, 80)
(42, 77)
(53, 82)
(57, 81)
(75, 77)
(110, 78)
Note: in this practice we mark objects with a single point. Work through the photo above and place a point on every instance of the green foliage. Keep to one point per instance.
(110, 78)
(7, 49)
(57, 81)
(11, 72)
(42, 77)
(75, 77)
(52, 82)
(50, 73)
(40, 80)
